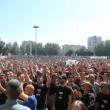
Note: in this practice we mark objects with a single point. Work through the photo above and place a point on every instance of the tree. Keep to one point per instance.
(34, 45)
(81, 52)
(15, 49)
(69, 53)
(107, 48)
(2, 44)
(40, 49)
(29, 48)
(7, 49)
(89, 52)
(23, 48)
(84, 52)
(52, 49)
(99, 49)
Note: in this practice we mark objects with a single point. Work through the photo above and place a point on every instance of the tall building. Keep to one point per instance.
(66, 48)
(93, 41)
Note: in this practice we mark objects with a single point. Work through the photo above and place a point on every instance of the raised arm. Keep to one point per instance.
(3, 89)
(24, 96)
(24, 70)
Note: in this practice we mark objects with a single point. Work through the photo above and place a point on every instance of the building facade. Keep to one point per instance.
(93, 41)
(66, 48)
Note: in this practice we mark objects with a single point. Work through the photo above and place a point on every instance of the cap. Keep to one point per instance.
(70, 76)
(39, 72)
(63, 77)
(54, 74)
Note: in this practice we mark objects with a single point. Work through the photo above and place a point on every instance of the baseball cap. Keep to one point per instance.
(63, 77)
(54, 74)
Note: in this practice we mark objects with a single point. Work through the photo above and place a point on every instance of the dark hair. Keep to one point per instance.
(19, 73)
(24, 85)
(101, 77)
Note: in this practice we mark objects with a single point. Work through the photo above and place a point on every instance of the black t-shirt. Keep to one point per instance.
(40, 94)
(52, 89)
(62, 99)
(89, 101)
(74, 86)
(103, 100)
(3, 97)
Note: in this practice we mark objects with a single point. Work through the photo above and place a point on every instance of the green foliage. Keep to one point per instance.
(2, 44)
(30, 47)
(7, 49)
(99, 49)
(23, 49)
(52, 49)
(84, 52)
(15, 49)
(40, 49)
(69, 53)
(102, 49)
(107, 48)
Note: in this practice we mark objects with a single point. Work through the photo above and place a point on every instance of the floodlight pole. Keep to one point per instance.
(36, 38)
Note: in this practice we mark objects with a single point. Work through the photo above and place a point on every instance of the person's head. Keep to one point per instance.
(71, 79)
(83, 75)
(104, 86)
(63, 79)
(54, 78)
(77, 79)
(92, 78)
(2, 78)
(86, 87)
(39, 80)
(78, 105)
(9, 75)
(106, 77)
(21, 77)
(39, 73)
(90, 71)
(28, 89)
(100, 78)
(13, 88)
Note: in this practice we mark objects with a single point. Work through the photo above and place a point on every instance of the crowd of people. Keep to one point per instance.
(47, 82)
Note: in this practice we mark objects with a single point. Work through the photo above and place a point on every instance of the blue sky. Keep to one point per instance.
(59, 21)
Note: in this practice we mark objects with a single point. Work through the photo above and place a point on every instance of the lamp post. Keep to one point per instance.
(36, 38)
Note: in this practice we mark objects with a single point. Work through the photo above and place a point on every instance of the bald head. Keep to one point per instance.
(90, 71)
(29, 89)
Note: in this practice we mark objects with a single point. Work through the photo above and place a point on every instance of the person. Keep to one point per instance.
(94, 83)
(50, 94)
(13, 90)
(73, 86)
(3, 97)
(27, 96)
(78, 105)
(62, 95)
(40, 89)
(88, 98)
(103, 97)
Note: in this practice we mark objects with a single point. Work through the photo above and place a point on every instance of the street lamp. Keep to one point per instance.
(36, 38)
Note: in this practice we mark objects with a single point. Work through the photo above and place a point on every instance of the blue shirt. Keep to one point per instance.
(11, 104)
(31, 103)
